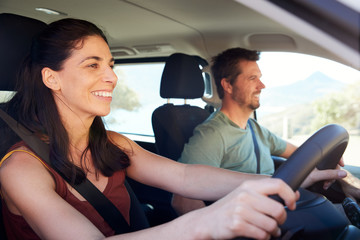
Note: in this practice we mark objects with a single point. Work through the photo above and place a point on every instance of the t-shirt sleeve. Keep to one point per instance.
(278, 145)
(204, 147)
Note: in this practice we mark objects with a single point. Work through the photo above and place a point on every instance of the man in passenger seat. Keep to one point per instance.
(225, 140)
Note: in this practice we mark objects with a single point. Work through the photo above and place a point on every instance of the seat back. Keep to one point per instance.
(173, 125)
(16, 33)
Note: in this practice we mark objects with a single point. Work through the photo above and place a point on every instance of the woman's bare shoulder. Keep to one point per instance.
(22, 175)
(121, 140)
(20, 158)
(23, 167)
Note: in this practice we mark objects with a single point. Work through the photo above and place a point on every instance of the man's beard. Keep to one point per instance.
(253, 106)
(236, 96)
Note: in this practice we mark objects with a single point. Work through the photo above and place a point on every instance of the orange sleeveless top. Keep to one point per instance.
(115, 190)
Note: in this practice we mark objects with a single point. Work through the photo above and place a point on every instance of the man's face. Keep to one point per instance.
(247, 86)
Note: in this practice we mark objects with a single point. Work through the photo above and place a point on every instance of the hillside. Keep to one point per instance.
(301, 92)
(293, 102)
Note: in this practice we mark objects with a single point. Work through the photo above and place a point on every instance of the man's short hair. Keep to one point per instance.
(225, 65)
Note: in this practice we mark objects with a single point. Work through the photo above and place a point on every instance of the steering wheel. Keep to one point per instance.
(322, 150)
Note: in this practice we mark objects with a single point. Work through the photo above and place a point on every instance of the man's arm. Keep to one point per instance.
(204, 147)
(184, 205)
(289, 150)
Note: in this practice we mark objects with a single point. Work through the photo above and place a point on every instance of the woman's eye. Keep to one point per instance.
(95, 65)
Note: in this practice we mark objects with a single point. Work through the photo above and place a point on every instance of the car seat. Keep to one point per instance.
(173, 125)
(16, 33)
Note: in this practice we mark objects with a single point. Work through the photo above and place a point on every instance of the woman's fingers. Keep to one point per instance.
(249, 212)
(274, 186)
(323, 175)
(251, 230)
(264, 219)
(262, 212)
(342, 162)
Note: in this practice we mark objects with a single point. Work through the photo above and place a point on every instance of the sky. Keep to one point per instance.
(355, 4)
(286, 68)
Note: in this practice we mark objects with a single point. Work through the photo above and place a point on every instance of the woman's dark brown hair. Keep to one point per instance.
(35, 107)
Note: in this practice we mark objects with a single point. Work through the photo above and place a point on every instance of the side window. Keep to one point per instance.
(135, 97)
(304, 93)
(6, 96)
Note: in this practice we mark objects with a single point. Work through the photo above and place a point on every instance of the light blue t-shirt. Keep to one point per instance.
(219, 142)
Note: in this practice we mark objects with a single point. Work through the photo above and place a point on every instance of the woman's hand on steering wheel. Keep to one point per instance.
(328, 175)
(249, 212)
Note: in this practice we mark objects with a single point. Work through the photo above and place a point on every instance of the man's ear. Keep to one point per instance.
(50, 78)
(226, 85)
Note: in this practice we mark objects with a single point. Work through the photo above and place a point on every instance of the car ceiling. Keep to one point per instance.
(152, 28)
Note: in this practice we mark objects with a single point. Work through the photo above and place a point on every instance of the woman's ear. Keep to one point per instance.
(226, 85)
(50, 78)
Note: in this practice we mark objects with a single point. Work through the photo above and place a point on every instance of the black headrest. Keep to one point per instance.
(182, 77)
(16, 33)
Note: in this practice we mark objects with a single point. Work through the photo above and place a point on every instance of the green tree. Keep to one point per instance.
(341, 107)
(123, 96)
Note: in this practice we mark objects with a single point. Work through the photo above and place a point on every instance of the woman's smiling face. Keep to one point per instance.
(87, 80)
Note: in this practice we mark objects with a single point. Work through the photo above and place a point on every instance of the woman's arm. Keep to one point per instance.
(247, 211)
(29, 190)
(212, 183)
(189, 180)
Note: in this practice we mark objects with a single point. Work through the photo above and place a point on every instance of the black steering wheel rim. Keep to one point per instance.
(322, 150)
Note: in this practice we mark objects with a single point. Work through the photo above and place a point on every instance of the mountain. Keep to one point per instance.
(305, 91)
(294, 101)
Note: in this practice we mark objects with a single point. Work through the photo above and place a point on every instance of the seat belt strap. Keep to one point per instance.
(256, 148)
(138, 218)
(93, 195)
